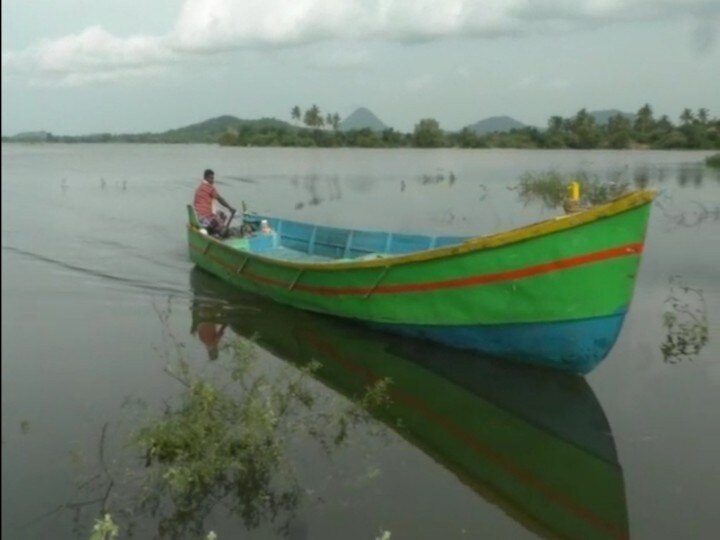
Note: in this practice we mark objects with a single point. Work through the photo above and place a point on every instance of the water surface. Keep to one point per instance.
(98, 292)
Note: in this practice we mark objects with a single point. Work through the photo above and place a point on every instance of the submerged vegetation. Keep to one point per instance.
(224, 444)
(105, 529)
(685, 321)
(230, 444)
(551, 188)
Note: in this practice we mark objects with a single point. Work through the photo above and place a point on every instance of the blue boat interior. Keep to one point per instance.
(298, 241)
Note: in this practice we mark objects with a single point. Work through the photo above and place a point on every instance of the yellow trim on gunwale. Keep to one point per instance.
(541, 228)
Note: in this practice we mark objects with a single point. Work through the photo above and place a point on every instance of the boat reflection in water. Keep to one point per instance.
(534, 442)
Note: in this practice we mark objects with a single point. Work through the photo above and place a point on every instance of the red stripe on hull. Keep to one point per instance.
(529, 271)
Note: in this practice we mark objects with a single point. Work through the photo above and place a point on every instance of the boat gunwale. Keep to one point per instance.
(617, 206)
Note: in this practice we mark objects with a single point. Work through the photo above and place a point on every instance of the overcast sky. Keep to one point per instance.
(125, 66)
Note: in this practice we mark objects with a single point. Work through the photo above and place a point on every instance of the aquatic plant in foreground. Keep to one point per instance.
(230, 443)
(104, 529)
(551, 187)
(223, 447)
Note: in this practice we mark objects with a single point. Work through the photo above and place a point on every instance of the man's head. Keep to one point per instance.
(209, 175)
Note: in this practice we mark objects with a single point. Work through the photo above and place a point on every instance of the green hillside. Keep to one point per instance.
(208, 131)
(495, 124)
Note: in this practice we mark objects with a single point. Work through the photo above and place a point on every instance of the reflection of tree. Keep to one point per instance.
(694, 175)
(685, 321)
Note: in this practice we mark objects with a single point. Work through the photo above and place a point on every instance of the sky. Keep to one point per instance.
(75, 67)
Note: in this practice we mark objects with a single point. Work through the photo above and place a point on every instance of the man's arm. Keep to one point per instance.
(224, 202)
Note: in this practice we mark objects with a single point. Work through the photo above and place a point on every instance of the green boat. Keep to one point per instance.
(554, 293)
(534, 442)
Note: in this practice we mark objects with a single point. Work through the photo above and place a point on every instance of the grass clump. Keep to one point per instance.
(551, 188)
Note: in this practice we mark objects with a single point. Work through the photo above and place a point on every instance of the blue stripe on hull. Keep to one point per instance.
(576, 346)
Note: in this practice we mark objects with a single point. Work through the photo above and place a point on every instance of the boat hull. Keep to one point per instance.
(552, 294)
(578, 345)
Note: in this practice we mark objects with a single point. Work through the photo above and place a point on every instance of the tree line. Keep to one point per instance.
(313, 128)
(694, 130)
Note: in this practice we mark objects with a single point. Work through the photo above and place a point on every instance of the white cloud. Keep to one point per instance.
(342, 58)
(543, 83)
(94, 55)
(562, 85)
(419, 83)
(213, 26)
(463, 72)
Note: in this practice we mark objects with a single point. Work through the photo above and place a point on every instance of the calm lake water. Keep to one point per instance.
(98, 296)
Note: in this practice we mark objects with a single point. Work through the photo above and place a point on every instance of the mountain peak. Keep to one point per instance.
(362, 118)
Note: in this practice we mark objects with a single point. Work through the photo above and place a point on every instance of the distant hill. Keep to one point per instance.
(362, 118)
(31, 136)
(495, 124)
(207, 131)
(603, 117)
(210, 130)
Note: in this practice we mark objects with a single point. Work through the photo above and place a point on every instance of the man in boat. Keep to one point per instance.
(205, 194)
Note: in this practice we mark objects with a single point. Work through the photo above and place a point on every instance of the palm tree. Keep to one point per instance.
(703, 115)
(686, 117)
(618, 123)
(313, 117)
(644, 121)
(584, 129)
(555, 123)
(295, 113)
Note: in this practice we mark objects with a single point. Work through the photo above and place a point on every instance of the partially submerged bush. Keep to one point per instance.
(229, 443)
(226, 442)
(551, 188)
(713, 161)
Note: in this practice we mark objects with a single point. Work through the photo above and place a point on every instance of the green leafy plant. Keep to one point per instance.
(550, 188)
(224, 442)
(104, 529)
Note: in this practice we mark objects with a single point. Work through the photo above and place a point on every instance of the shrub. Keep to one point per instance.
(713, 161)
